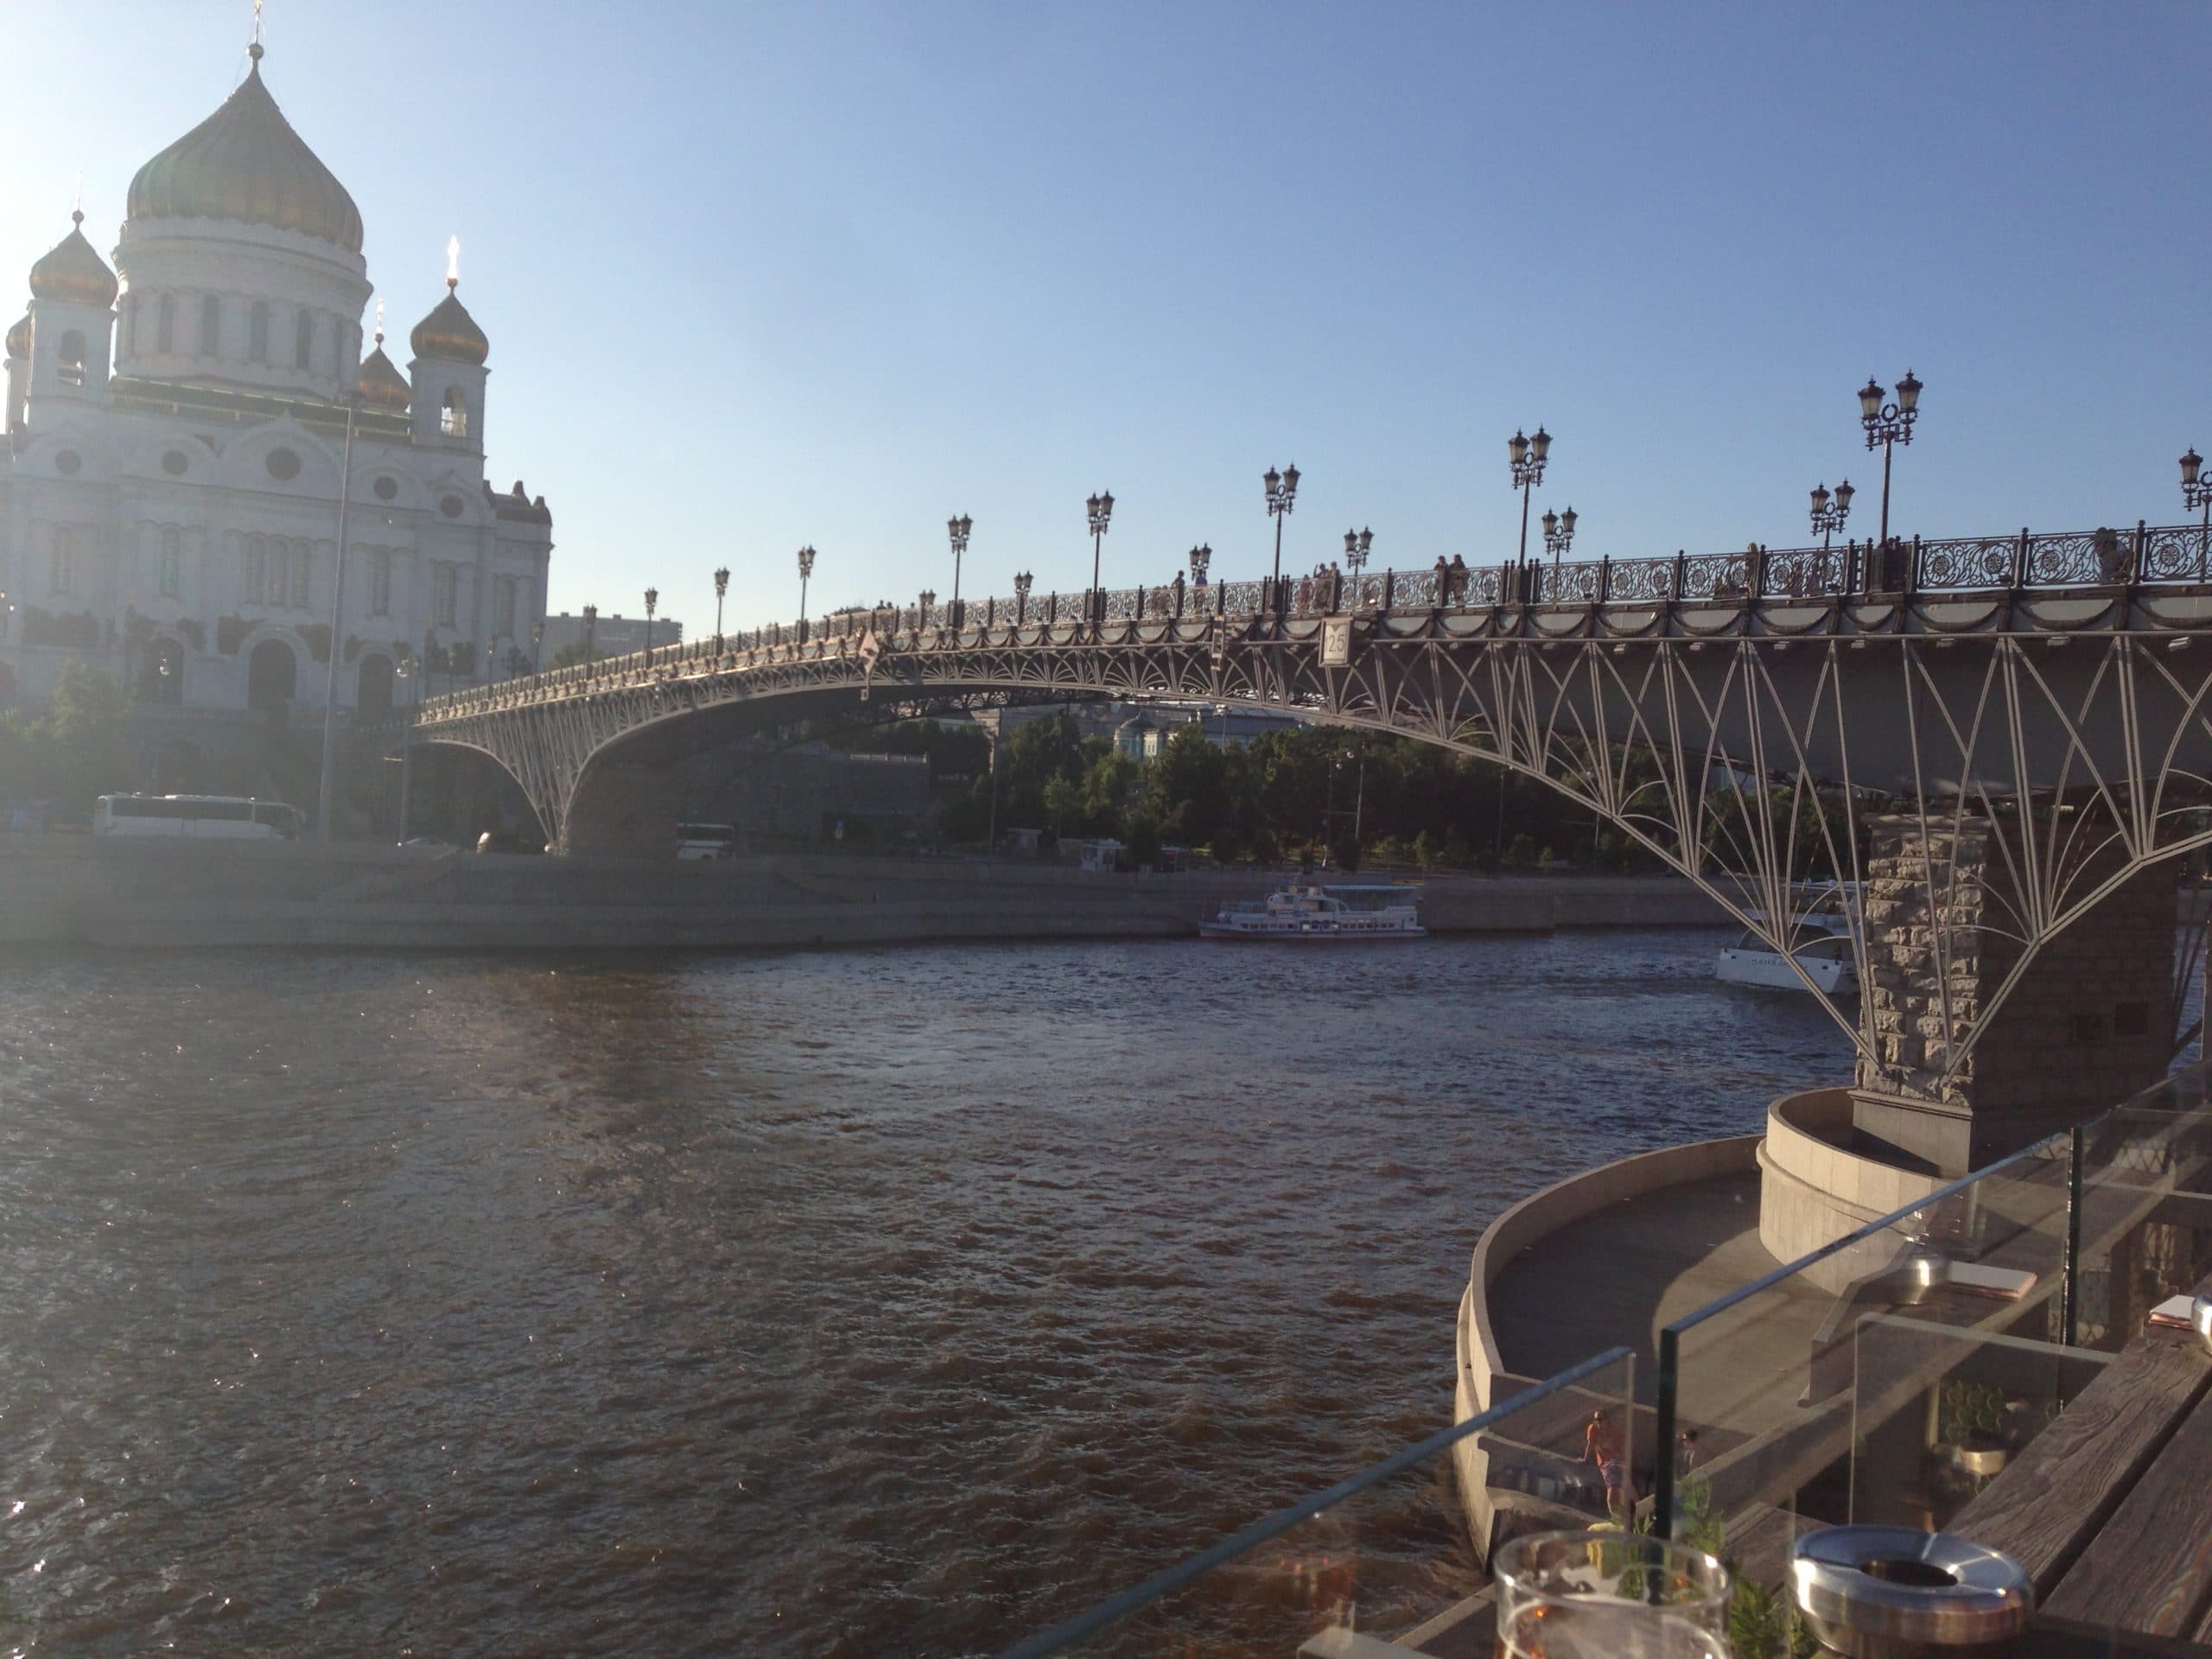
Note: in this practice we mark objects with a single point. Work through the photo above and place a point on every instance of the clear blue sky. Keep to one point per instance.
(760, 275)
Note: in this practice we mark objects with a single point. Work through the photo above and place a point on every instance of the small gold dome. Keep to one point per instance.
(450, 332)
(245, 162)
(383, 387)
(72, 273)
(19, 338)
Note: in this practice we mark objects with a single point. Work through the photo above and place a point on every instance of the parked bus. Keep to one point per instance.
(226, 817)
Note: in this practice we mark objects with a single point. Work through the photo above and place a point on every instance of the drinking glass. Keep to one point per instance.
(1581, 1595)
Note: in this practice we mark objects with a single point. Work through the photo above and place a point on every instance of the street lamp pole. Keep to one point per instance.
(1830, 510)
(591, 632)
(412, 673)
(805, 570)
(721, 589)
(1201, 562)
(957, 529)
(1888, 425)
(652, 598)
(2198, 493)
(1558, 535)
(1528, 455)
(1101, 508)
(337, 653)
(1022, 581)
(1282, 495)
(1357, 544)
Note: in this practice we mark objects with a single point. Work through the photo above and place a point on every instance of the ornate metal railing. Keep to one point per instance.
(2105, 558)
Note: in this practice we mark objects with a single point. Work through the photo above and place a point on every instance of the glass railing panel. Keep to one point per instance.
(1396, 1552)
(2147, 1209)
(1756, 1390)
(1938, 1411)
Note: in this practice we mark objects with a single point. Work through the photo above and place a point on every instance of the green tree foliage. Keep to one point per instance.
(569, 656)
(76, 751)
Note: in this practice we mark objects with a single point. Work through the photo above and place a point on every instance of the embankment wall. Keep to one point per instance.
(163, 894)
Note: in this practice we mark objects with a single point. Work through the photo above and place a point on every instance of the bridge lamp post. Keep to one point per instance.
(1527, 456)
(1101, 509)
(721, 589)
(1282, 495)
(1830, 510)
(805, 570)
(1201, 562)
(1021, 581)
(957, 529)
(653, 599)
(1559, 534)
(2197, 494)
(1357, 544)
(591, 633)
(1888, 425)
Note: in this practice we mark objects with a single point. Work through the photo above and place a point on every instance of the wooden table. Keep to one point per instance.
(2110, 1508)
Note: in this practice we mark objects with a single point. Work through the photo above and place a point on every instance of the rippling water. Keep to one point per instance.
(859, 1303)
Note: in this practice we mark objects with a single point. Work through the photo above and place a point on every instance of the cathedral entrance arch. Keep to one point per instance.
(372, 686)
(272, 677)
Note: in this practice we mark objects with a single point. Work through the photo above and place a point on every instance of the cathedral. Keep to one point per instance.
(179, 424)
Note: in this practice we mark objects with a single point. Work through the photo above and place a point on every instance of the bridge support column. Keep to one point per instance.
(2090, 1020)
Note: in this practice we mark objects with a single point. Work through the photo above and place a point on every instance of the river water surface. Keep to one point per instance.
(857, 1303)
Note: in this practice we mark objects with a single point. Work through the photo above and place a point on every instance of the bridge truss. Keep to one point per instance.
(1746, 719)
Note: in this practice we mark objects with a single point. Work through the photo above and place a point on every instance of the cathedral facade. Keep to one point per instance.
(179, 425)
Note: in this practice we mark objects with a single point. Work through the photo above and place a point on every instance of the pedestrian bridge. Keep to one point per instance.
(2008, 730)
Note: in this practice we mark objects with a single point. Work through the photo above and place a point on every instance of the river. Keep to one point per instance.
(855, 1303)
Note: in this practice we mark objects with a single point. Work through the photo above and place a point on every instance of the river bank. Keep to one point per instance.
(161, 894)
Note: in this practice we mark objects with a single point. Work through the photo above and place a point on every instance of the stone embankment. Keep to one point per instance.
(162, 894)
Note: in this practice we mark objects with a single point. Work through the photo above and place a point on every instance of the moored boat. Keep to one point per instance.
(1306, 910)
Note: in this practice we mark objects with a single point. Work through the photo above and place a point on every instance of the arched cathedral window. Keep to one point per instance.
(303, 339)
(72, 358)
(211, 327)
(172, 562)
(452, 417)
(256, 332)
(165, 324)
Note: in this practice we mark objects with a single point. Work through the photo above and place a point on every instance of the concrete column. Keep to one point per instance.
(2090, 1022)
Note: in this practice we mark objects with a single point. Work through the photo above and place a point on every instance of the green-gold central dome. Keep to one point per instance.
(245, 162)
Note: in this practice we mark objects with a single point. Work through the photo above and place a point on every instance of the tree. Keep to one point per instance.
(1188, 789)
(569, 656)
(79, 751)
(1144, 840)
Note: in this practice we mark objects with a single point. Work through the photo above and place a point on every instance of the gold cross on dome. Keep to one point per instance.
(257, 22)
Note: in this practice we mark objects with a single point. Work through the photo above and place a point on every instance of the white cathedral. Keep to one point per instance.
(177, 429)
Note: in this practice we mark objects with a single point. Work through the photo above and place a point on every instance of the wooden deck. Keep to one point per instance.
(2110, 1507)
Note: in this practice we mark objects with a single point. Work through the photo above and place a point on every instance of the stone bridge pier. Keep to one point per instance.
(2076, 1019)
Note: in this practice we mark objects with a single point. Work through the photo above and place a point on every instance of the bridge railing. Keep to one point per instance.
(2143, 556)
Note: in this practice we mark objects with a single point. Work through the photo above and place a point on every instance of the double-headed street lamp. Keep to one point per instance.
(1357, 544)
(1282, 495)
(1201, 562)
(721, 589)
(1528, 455)
(1101, 508)
(653, 599)
(1022, 580)
(1559, 534)
(805, 569)
(1830, 510)
(1888, 425)
(957, 529)
(2198, 493)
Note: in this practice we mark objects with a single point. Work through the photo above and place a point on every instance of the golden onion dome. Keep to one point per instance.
(450, 332)
(19, 338)
(245, 162)
(72, 273)
(382, 386)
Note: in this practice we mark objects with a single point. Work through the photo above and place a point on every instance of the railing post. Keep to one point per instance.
(1390, 590)
(2020, 559)
(1605, 578)
(2142, 552)
(1682, 574)
(2069, 1301)
(1912, 571)
(1663, 1435)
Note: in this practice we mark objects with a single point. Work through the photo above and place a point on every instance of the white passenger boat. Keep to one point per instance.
(1306, 910)
(1827, 959)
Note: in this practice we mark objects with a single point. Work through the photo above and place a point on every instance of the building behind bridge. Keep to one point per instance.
(607, 635)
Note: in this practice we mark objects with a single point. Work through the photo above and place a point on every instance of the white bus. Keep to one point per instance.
(705, 841)
(227, 817)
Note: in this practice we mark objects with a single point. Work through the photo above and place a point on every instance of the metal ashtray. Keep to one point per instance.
(1979, 1454)
(1892, 1593)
